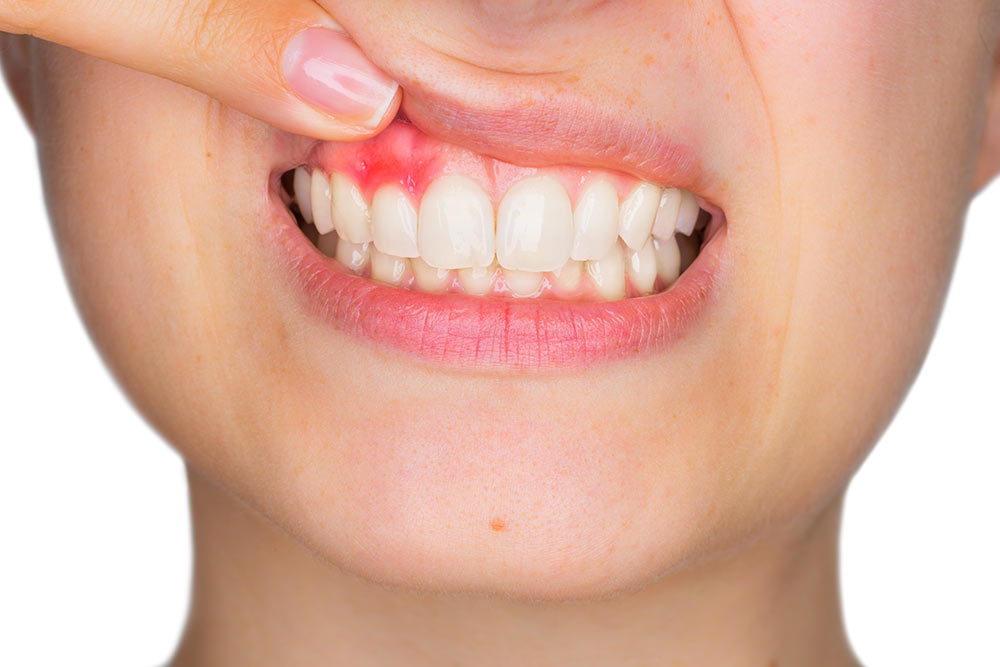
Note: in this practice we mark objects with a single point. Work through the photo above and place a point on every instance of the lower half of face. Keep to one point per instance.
(548, 335)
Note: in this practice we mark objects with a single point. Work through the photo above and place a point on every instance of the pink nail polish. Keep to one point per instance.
(328, 70)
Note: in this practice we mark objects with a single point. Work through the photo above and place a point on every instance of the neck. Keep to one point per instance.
(261, 598)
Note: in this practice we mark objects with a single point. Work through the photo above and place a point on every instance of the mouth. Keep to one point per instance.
(457, 258)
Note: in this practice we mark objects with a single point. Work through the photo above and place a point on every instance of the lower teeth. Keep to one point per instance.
(623, 274)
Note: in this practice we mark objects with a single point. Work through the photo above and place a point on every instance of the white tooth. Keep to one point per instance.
(688, 214)
(301, 185)
(668, 259)
(608, 273)
(429, 278)
(522, 283)
(455, 228)
(319, 197)
(635, 219)
(352, 255)
(394, 222)
(388, 268)
(535, 225)
(595, 221)
(567, 276)
(478, 279)
(350, 210)
(666, 214)
(640, 266)
(327, 244)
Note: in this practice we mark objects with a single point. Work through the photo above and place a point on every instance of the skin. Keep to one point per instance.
(351, 504)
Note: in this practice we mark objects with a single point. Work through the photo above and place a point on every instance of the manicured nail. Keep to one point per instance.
(328, 70)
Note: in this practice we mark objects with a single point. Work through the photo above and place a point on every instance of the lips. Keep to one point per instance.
(494, 332)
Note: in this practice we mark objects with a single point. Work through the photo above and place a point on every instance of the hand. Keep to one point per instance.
(285, 62)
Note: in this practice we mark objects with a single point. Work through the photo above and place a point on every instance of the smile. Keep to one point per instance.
(470, 261)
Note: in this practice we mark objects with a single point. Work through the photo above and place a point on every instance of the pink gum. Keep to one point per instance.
(405, 156)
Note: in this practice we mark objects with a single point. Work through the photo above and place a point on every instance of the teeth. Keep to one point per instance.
(668, 258)
(319, 197)
(477, 279)
(352, 255)
(608, 273)
(350, 210)
(429, 278)
(301, 184)
(666, 213)
(327, 244)
(567, 276)
(394, 222)
(455, 229)
(523, 283)
(595, 221)
(388, 268)
(635, 220)
(640, 266)
(535, 225)
(687, 216)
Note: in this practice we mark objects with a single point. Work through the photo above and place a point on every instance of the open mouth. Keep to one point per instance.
(507, 265)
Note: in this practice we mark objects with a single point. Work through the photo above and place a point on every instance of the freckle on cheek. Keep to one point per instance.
(496, 523)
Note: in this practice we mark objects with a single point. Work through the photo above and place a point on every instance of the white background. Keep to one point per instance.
(95, 563)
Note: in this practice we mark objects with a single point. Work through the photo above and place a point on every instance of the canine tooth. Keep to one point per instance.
(687, 216)
(351, 216)
(394, 222)
(455, 227)
(567, 276)
(608, 273)
(635, 220)
(522, 283)
(301, 185)
(595, 221)
(640, 265)
(535, 225)
(429, 278)
(478, 279)
(319, 197)
(666, 214)
(668, 258)
(388, 268)
(327, 244)
(352, 255)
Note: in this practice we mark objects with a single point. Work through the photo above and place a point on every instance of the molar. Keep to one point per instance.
(635, 221)
(351, 216)
(595, 221)
(535, 225)
(394, 222)
(455, 228)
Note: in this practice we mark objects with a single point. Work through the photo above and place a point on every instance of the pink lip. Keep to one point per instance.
(495, 333)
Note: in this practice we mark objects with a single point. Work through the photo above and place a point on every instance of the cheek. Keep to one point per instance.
(871, 108)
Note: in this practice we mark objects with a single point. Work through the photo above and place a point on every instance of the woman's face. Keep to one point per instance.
(839, 139)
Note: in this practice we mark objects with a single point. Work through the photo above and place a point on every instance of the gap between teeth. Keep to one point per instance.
(536, 241)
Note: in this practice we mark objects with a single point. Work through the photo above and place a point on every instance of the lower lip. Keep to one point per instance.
(491, 333)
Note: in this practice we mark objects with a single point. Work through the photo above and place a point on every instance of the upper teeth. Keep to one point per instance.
(535, 229)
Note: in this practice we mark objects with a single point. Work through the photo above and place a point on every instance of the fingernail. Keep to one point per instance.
(328, 70)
